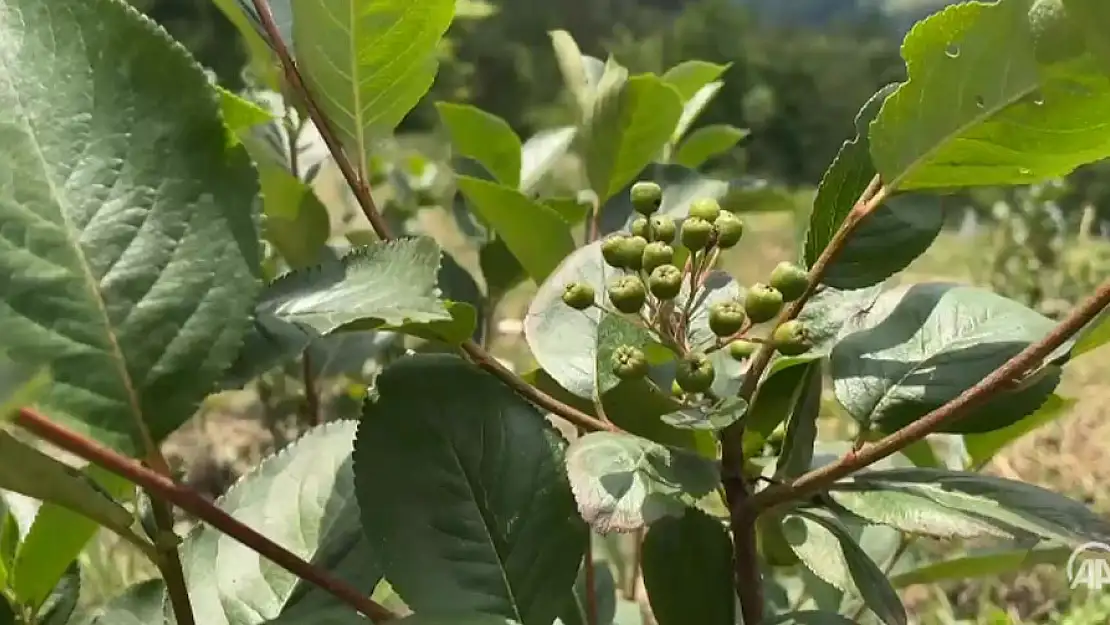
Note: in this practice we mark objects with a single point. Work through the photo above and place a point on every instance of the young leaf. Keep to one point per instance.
(687, 563)
(801, 423)
(826, 549)
(297, 223)
(707, 142)
(468, 468)
(978, 565)
(919, 346)
(302, 498)
(540, 153)
(369, 62)
(983, 446)
(979, 109)
(485, 138)
(623, 482)
(533, 232)
(689, 77)
(240, 115)
(573, 67)
(693, 107)
(631, 119)
(141, 604)
(134, 272)
(605, 590)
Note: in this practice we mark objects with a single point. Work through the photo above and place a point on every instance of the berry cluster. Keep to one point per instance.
(650, 280)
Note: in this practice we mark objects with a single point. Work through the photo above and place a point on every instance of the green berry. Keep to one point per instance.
(662, 229)
(578, 295)
(694, 373)
(791, 339)
(729, 230)
(665, 282)
(629, 363)
(632, 252)
(696, 233)
(647, 197)
(656, 254)
(640, 228)
(790, 280)
(627, 294)
(726, 318)
(611, 250)
(742, 350)
(705, 208)
(762, 303)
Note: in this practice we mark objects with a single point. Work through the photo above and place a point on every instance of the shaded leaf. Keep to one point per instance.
(132, 254)
(801, 423)
(540, 153)
(983, 446)
(623, 482)
(485, 138)
(1092, 16)
(708, 418)
(687, 568)
(784, 391)
(469, 468)
(141, 604)
(979, 109)
(455, 618)
(972, 566)
(605, 590)
(1094, 335)
(616, 331)
(707, 142)
(572, 65)
(297, 223)
(59, 606)
(303, 499)
(20, 385)
(831, 313)
(810, 617)
(368, 62)
(501, 270)
(240, 115)
(911, 513)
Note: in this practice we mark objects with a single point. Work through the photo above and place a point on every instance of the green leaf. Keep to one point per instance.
(20, 386)
(784, 392)
(572, 66)
(484, 138)
(992, 564)
(693, 108)
(687, 564)
(501, 270)
(688, 77)
(245, 20)
(297, 223)
(810, 617)
(1094, 335)
(623, 482)
(605, 590)
(541, 152)
(303, 499)
(369, 62)
(455, 618)
(59, 606)
(983, 446)
(141, 604)
(831, 313)
(1010, 506)
(920, 346)
(708, 418)
(979, 109)
(469, 468)
(707, 142)
(911, 513)
(801, 423)
(829, 551)
(1091, 17)
(533, 232)
(240, 115)
(131, 265)
(631, 119)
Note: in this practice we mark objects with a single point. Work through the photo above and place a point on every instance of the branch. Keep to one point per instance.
(1010, 373)
(187, 499)
(361, 190)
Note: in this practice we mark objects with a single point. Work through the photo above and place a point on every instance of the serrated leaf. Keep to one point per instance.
(630, 121)
(919, 346)
(470, 467)
(707, 142)
(536, 235)
(369, 62)
(297, 223)
(303, 499)
(1014, 507)
(605, 591)
(978, 565)
(801, 423)
(484, 138)
(689, 77)
(687, 568)
(131, 261)
(623, 482)
(541, 152)
(983, 446)
(693, 108)
(980, 109)
(141, 604)
(826, 549)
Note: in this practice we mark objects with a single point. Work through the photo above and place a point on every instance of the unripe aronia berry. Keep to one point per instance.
(578, 295)
(696, 233)
(694, 373)
(611, 250)
(762, 303)
(646, 197)
(705, 208)
(632, 252)
(629, 363)
(665, 282)
(790, 338)
(741, 349)
(656, 254)
(730, 229)
(640, 228)
(627, 294)
(662, 228)
(790, 280)
(726, 318)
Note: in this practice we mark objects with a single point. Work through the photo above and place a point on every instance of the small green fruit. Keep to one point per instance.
(726, 318)
(665, 282)
(629, 363)
(762, 303)
(578, 295)
(646, 197)
(611, 250)
(705, 208)
(694, 373)
(742, 350)
(791, 339)
(730, 229)
(640, 228)
(627, 294)
(632, 252)
(790, 280)
(696, 233)
(662, 229)
(656, 254)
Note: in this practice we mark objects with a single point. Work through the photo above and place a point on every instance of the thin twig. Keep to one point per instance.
(591, 582)
(169, 562)
(1009, 374)
(311, 392)
(190, 501)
